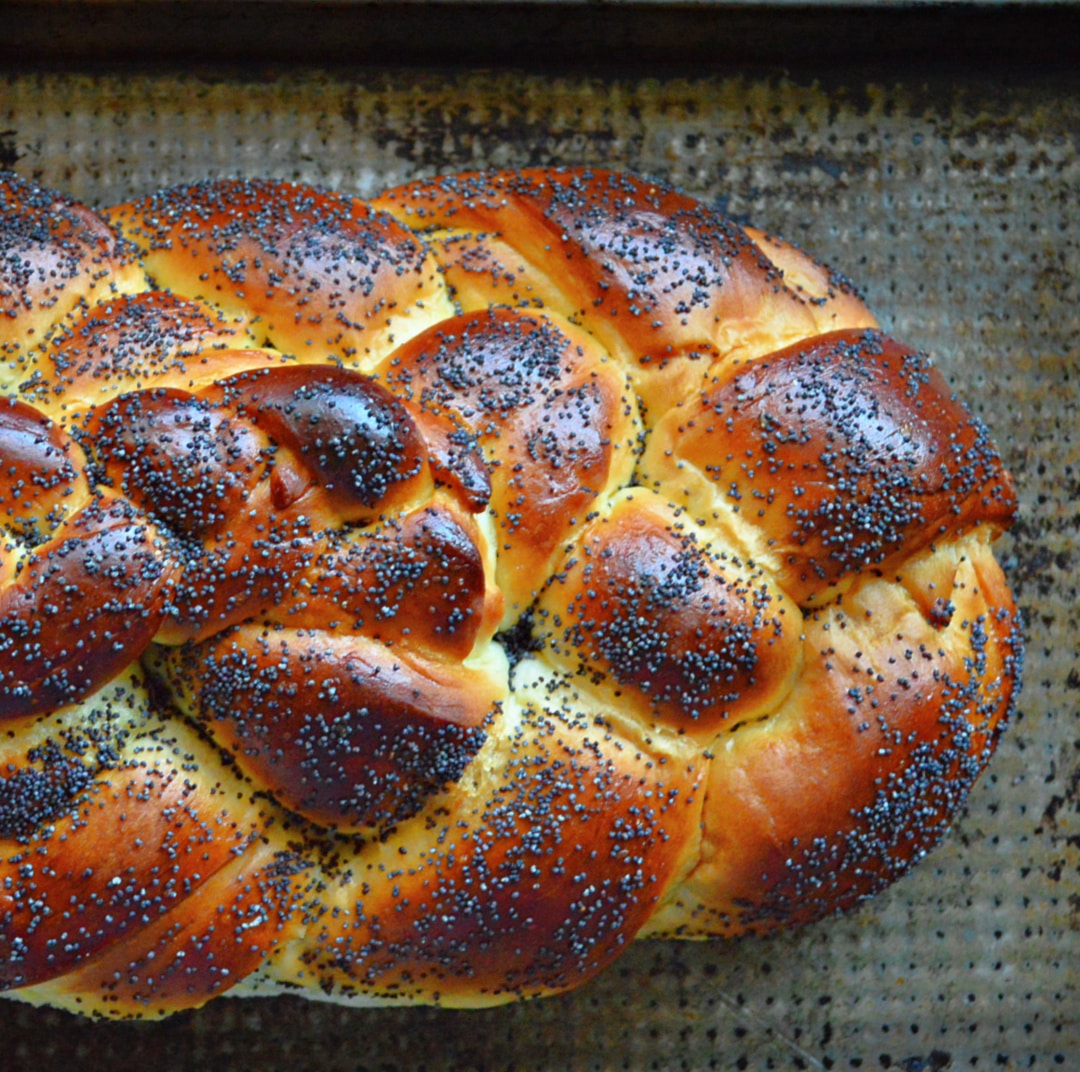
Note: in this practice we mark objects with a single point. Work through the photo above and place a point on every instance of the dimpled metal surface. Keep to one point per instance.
(953, 208)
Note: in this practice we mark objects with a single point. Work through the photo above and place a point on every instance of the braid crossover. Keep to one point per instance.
(417, 599)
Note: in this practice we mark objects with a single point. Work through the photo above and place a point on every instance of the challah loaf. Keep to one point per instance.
(418, 599)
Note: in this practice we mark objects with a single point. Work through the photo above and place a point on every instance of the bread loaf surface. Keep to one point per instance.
(418, 599)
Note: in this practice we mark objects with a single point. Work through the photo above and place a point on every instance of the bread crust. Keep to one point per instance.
(56, 256)
(419, 599)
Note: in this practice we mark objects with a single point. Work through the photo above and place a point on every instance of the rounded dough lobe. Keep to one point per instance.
(338, 728)
(85, 576)
(55, 256)
(130, 343)
(42, 479)
(323, 274)
(555, 845)
(689, 639)
(914, 704)
(113, 823)
(830, 458)
(661, 280)
(556, 421)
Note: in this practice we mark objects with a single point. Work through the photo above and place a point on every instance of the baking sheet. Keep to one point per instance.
(953, 202)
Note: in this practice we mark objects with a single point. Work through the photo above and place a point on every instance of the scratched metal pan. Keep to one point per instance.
(950, 189)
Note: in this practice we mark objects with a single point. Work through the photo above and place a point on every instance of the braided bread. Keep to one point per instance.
(418, 599)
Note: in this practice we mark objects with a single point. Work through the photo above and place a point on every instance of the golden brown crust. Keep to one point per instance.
(417, 600)
(322, 274)
(914, 705)
(833, 300)
(83, 605)
(337, 727)
(44, 472)
(556, 851)
(220, 933)
(841, 453)
(556, 420)
(109, 823)
(658, 278)
(55, 256)
(129, 344)
(682, 636)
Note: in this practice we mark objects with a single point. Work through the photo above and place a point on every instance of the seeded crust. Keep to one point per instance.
(419, 599)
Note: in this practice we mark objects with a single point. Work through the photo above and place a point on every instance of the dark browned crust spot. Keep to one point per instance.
(332, 727)
(39, 472)
(560, 856)
(88, 603)
(847, 450)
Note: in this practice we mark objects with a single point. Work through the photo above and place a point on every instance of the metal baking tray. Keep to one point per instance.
(945, 180)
